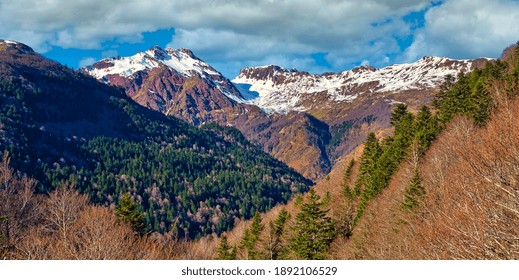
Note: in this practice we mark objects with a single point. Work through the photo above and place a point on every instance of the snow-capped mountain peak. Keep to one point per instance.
(277, 90)
(182, 61)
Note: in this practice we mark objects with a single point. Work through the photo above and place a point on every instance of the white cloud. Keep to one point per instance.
(256, 30)
(231, 33)
(467, 29)
(86, 61)
(81, 24)
(232, 29)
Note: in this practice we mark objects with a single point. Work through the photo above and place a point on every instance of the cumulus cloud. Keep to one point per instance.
(81, 24)
(250, 30)
(467, 29)
(230, 29)
(232, 33)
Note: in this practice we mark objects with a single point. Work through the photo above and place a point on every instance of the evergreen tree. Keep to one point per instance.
(313, 231)
(398, 114)
(274, 245)
(347, 174)
(368, 161)
(480, 102)
(453, 98)
(224, 250)
(128, 211)
(425, 128)
(251, 237)
(413, 192)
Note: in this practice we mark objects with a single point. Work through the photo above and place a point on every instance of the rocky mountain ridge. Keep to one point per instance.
(280, 90)
(305, 120)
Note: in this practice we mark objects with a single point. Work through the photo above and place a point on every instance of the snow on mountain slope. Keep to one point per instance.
(276, 89)
(183, 61)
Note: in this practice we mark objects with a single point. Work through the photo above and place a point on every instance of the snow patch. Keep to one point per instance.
(124, 66)
(8, 42)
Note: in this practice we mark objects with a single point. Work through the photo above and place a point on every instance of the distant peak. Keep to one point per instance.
(161, 53)
(364, 68)
(273, 67)
(186, 51)
(13, 45)
(262, 72)
(157, 48)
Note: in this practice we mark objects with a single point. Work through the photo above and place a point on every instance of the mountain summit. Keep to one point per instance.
(174, 82)
(280, 90)
(183, 61)
(8, 45)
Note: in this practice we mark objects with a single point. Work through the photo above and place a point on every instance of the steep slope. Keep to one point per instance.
(63, 127)
(400, 199)
(469, 206)
(352, 103)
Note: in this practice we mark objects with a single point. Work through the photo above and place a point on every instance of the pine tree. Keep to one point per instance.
(414, 192)
(313, 231)
(368, 163)
(453, 98)
(274, 245)
(425, 128)
(224, 250)
(251, 237)
(398, 114)
(480, 102)
(128, 211)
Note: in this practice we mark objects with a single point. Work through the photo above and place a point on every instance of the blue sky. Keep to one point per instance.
(315, 36)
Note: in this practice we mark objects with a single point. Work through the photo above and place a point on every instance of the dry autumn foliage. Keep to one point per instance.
(63, 225)
(472, 184)
(471, 206)
(470, 209)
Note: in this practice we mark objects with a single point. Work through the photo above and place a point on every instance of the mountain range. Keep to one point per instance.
(63, 128)
(306, 120)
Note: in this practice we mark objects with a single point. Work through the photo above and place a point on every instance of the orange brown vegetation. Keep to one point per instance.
(471, 206)
(63, 225)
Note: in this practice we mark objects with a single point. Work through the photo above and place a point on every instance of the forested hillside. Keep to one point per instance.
(61, 127)
(443, 186)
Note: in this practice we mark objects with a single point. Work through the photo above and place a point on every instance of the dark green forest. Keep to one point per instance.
(61, 127)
